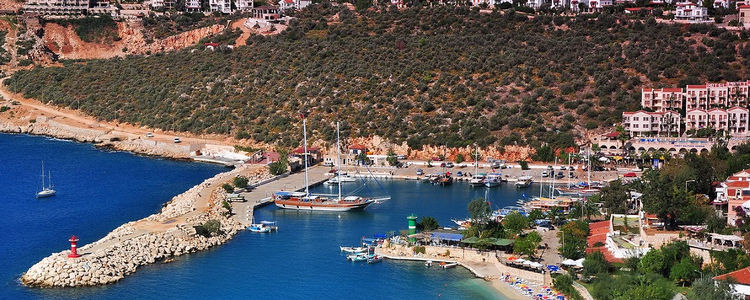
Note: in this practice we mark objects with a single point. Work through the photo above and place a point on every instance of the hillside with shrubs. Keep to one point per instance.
(426, 76)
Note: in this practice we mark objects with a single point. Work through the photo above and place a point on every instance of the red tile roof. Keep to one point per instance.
(696, 86)
(613, 134)
(671, 90)
(741, 276)
(357, 147)
(309, 149)
(738, 184)
(744, 6)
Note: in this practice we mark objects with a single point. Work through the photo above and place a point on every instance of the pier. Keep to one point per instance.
(261, 193)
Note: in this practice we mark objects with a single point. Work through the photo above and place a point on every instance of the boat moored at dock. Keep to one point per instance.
(524, 181)
(493, 180)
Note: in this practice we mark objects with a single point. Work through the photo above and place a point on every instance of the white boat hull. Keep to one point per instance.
(323, 208)
(491, 183)
(45, 193)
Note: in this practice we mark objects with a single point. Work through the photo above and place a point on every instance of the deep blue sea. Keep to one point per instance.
(100, 190)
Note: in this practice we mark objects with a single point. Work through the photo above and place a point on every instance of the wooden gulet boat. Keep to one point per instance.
(306, 201)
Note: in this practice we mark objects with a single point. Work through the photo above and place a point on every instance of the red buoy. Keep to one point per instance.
(73, 247)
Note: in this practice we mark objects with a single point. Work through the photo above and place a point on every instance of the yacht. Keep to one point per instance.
(46, 191)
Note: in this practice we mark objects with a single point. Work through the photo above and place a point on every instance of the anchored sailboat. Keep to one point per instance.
(306, 201)
(46, 191)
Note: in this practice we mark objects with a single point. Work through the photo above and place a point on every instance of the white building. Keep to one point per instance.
(643, 123)
(223, 6)
(56, 7)
(293, 4)
(691, 12)
(662, 99)
(733, 120)
(193, 5)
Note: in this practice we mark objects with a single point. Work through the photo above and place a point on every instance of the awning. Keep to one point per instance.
(471, 240)
(502, 242)
(446, 236)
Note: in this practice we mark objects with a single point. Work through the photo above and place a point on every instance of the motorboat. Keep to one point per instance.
(493, 180)
(340, 179)
(448, 265)
(353, 249)
(428, 263)
(477, 179)
(524, 181)
(375, 259)
(263, 227)
(358, 257)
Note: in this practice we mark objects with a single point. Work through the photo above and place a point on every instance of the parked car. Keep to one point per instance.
(459, 174)
(177, 140)
(449, 165)
(571, 175)
(563, 168)
(401, 156)
(420, 172)
(149, 134)
(496, 165)
(545, 174)
(560, 175)
(442, 165)
(328, 164)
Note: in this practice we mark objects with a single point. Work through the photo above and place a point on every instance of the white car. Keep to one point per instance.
(177, 140)
(149, 134)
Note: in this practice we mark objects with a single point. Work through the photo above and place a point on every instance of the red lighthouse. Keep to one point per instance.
(73, 247)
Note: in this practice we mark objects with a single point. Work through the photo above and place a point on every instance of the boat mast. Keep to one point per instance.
(50, 178)
(338, 158)
(42, 175)
(569, 170)
(476, 158)
(588, 169)
(304, 135)
(552, 184)
(541, 184)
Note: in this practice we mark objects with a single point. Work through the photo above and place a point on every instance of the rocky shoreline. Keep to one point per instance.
(99, 136)
(156, 238)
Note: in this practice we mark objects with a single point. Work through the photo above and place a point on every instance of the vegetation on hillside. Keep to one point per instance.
(438, 76)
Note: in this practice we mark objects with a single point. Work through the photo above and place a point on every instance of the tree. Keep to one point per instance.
(479, 210)
(536, 214)
(427, 224)
(240, 182)
(573, 239)
(460, 158)
(623, 136)
(528, 244)
(684, 271)
(595, 264)
(708, 289)
(391, 158)
(227, 188)
(281, 166)
(652, 262)
(615, 197)
(514, 223)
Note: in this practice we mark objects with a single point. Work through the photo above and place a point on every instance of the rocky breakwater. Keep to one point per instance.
(157, 238)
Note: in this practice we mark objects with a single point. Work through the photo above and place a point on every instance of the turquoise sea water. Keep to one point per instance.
(98, 191)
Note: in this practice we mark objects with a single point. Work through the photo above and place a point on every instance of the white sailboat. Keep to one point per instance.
(46, 191)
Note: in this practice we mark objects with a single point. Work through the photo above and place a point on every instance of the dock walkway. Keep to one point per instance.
(261, 195)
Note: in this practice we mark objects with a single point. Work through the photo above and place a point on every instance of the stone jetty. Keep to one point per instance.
(157, 238)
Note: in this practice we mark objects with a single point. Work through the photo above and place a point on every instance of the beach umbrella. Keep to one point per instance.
(552, 268)
(512, 258)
